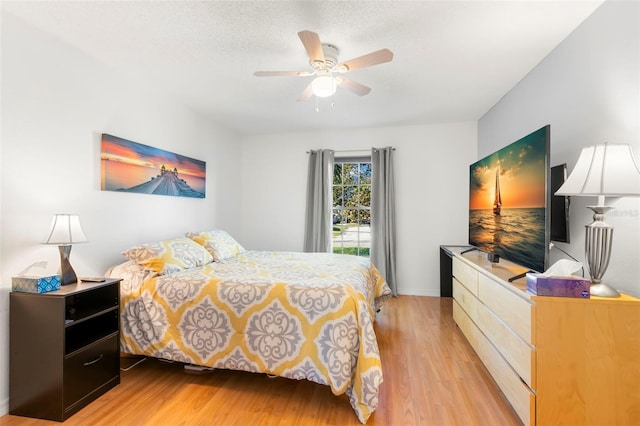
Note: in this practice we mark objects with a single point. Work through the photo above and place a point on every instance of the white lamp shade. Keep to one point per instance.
(324, 86)
(608, 169)
(65, 229)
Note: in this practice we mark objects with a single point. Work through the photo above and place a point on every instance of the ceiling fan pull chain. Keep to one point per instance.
(317, 107)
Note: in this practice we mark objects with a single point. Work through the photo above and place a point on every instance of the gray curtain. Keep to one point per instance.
(318, 226)
(383, 218)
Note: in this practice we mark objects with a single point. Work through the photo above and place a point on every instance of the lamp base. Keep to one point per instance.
(67, 274)
(603, 290)
(598, 242)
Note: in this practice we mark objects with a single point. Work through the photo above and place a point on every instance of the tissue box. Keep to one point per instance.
(570, 286)
(32, 284)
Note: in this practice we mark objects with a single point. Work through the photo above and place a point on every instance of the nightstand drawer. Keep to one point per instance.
(89, 369)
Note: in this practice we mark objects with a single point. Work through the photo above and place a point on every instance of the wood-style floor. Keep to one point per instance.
(431, 377)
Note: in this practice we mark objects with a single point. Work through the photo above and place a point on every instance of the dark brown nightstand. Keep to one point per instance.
(64, 348)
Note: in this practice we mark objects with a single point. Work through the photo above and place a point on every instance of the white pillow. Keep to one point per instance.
(219, 243)
(169, 256)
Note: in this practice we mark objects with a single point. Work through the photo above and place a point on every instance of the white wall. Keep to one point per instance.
(55, 104)
(432, 184)
(588, 89)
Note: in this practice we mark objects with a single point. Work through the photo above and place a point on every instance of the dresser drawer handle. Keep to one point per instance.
(86, 364)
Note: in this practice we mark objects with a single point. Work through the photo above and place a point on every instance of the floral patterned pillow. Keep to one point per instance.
(169, 256)
(219, 243)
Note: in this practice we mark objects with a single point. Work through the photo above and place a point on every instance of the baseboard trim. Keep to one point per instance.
(418, 292)
(4, 407)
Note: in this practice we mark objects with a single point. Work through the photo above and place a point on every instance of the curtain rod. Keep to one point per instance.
(353, 150)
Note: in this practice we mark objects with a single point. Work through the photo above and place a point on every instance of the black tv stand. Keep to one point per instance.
(446, 271)
(517, 277)
(469, 249)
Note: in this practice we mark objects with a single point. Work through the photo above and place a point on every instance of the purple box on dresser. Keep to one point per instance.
(570, 286)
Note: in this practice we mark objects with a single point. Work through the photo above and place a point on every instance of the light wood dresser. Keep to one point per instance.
(558, 360)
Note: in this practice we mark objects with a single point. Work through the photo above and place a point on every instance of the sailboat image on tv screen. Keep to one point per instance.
(497, 200)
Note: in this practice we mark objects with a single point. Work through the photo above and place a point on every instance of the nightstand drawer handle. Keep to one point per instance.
(86, 364)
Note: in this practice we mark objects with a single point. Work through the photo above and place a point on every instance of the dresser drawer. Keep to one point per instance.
(522, 399)
(516, 351)
(87, 370)
(513, 310)
(466, 275)
(467, 326)
(466, 300)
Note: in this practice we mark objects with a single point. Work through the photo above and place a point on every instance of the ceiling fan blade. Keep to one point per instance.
(311, 42)
(282, 73)
(306, 93)
(374, 58)
(353, 87)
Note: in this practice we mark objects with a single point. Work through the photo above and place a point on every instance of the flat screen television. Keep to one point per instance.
(559, 205)
(509, 202)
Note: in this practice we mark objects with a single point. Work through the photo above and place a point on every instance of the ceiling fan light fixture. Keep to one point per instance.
(324, 86)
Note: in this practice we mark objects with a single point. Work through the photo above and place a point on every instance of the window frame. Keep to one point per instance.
(360, 250)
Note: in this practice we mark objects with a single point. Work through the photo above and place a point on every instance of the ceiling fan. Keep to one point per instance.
(323, 58)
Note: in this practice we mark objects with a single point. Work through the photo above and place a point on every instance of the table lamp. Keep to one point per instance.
(607, 170)
(66, 230)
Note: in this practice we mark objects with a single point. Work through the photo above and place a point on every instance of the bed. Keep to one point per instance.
(295, 315)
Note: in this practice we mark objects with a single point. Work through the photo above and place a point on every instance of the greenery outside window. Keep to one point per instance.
(352, 206)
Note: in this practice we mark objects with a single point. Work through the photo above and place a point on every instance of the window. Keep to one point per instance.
(352, 206)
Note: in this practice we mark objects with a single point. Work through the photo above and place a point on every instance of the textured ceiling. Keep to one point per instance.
(453, 60)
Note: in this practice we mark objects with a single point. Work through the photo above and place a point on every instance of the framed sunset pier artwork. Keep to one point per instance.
(128, 166)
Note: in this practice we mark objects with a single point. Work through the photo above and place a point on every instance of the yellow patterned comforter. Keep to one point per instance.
(296, 315)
